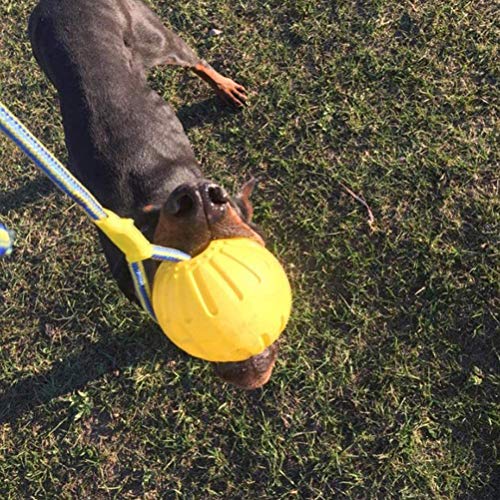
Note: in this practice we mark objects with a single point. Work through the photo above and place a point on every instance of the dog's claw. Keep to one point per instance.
(232, 92)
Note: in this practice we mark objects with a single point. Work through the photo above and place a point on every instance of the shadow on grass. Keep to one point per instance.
(209, 111)
(112, 353)
(30, 192)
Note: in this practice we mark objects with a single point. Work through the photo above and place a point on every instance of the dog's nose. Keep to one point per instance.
(205, 198)
(184, 201)
(215, 201)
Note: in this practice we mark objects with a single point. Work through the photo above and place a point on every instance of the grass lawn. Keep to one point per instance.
(388, 380)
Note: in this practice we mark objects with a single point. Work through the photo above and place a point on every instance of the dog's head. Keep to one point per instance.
(197, 213)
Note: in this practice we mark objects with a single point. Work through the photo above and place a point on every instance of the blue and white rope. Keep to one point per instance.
(67, 183)
(48, 164)
(169, 254)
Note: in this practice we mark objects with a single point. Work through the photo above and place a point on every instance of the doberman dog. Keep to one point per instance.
(126, 144)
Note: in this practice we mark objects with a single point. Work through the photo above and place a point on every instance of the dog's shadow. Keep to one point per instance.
(207, 112)
(28, 193)
(114, 353)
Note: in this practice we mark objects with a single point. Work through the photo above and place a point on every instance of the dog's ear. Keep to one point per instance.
(242, 199)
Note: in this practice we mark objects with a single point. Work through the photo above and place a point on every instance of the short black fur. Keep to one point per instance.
(125, 143)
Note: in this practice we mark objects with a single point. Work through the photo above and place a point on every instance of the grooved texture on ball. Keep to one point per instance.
(227, 304)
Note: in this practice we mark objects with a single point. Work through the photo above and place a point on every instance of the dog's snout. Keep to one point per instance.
(215, 201)
(184, 201)
(205, 199)
(216, 194)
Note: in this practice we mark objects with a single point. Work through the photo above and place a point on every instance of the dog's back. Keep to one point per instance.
(124, 142)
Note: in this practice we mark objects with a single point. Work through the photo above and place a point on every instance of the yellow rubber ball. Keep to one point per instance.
(227, 304)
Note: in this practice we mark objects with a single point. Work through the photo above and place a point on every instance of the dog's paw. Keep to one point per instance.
(231, 92)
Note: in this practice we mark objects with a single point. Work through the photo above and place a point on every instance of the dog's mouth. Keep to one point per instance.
(193, 216)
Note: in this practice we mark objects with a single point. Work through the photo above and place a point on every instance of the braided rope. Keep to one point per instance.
(69, 185)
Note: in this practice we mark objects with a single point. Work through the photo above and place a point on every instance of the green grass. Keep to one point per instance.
(388, 381)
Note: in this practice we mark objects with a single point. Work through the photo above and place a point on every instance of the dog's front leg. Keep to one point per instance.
(157, 45)
(230, 91)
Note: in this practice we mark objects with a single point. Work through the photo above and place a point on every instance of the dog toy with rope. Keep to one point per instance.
(227, 304)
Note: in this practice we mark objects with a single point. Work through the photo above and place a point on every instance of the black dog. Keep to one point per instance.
(126, 145)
